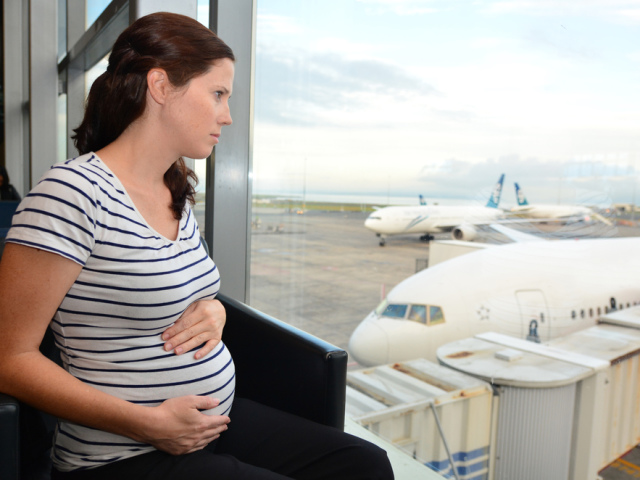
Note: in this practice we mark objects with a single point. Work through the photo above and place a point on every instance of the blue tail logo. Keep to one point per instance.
(522, 200)
(494, 200)
(422, 200)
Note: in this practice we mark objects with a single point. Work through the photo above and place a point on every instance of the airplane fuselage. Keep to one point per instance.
(555, 286)
(427, 219)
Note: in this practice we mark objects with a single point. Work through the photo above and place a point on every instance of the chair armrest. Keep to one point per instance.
(283, 367)
(9, 438)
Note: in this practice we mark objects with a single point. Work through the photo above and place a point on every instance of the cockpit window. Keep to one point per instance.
(435, 315)
(371, 217)
(395, 311)
(418, 313)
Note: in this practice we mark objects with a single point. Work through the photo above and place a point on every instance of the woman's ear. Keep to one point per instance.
(158, 85)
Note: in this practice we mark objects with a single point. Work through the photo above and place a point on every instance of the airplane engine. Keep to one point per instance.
(464, 232)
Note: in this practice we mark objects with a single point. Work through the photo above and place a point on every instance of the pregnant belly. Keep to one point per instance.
(152, 380)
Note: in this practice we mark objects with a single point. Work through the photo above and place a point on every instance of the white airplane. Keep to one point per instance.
(431, 219)
(537, 289)
(524, 209)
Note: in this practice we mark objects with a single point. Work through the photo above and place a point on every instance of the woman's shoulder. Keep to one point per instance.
(85, 174)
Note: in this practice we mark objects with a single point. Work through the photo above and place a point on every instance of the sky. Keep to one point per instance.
(396, 98)
(439, 97)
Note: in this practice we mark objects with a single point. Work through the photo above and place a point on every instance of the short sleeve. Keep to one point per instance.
(58, 215)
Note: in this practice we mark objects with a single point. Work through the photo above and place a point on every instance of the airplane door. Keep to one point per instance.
(534, 313)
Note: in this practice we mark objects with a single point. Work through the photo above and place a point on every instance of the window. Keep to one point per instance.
(435, 315)
(395, 311)
(418, 313)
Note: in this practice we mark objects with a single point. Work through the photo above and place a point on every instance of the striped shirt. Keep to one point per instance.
(134, 284)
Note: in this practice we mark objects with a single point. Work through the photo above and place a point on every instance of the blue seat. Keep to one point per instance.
(7, 209)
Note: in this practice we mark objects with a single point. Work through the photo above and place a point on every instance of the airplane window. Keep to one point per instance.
(541, 317)
(582, 313)
(418, 313)
(573, 314)
(628, 305)
(591, 312)
(599, 311)
(395, 311)
(606, 309)
(435, 315)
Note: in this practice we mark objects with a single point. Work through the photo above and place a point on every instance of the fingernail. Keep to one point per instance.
(165, 336)
(178, 350)
(168, 347)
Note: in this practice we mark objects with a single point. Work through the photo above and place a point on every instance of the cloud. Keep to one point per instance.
(581, 182)
(312, 88)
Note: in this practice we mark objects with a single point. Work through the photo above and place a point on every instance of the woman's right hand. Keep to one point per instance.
(179, 427)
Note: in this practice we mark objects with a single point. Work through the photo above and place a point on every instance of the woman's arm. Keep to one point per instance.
(32, 285)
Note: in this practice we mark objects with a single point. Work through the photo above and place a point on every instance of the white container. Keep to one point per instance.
(398, 401)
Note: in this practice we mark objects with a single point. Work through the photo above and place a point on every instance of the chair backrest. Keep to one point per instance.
(7, 209)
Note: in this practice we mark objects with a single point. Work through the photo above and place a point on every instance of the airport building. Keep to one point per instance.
(344, 107)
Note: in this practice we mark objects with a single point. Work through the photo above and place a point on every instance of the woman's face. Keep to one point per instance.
(196, 113)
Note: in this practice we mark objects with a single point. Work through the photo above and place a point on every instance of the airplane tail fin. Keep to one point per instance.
(522, 200)
(422, 200)
(494, 200)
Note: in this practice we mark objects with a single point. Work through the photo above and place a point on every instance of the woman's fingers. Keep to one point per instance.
(201, 323)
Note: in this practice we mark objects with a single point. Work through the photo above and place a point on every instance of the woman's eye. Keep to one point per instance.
(218, 95)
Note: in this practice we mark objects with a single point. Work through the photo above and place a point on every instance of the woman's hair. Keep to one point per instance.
(3, 173)
(181, 46)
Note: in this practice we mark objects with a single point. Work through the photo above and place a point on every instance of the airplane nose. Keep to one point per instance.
(369, 223)
(369, 344)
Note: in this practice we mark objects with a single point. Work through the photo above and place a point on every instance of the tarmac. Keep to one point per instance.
(324, 271)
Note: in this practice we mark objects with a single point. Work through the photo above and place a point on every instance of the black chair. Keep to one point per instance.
(276, 364)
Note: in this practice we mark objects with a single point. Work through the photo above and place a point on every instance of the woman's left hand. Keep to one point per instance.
(201, 323)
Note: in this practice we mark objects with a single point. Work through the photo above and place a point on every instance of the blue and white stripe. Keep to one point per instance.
(134, 284)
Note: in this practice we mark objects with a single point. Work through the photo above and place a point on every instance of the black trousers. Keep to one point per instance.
(261, 443)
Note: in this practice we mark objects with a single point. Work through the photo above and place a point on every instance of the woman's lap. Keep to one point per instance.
(261, 443)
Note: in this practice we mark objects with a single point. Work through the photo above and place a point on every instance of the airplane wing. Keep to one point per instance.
(599, 217)
(515, 235)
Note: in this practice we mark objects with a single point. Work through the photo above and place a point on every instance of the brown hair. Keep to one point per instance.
(181, 46)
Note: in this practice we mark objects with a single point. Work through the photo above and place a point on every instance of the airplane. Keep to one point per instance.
(535, 289)
(525, 209)
(431, 219)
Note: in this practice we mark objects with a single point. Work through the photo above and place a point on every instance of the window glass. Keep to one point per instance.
(418, 313)
(203, 12)
(93, 10)
(435, 315)
(359, 105)
(395, 311)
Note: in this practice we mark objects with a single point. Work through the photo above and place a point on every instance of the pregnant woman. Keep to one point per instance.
(107, 246)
